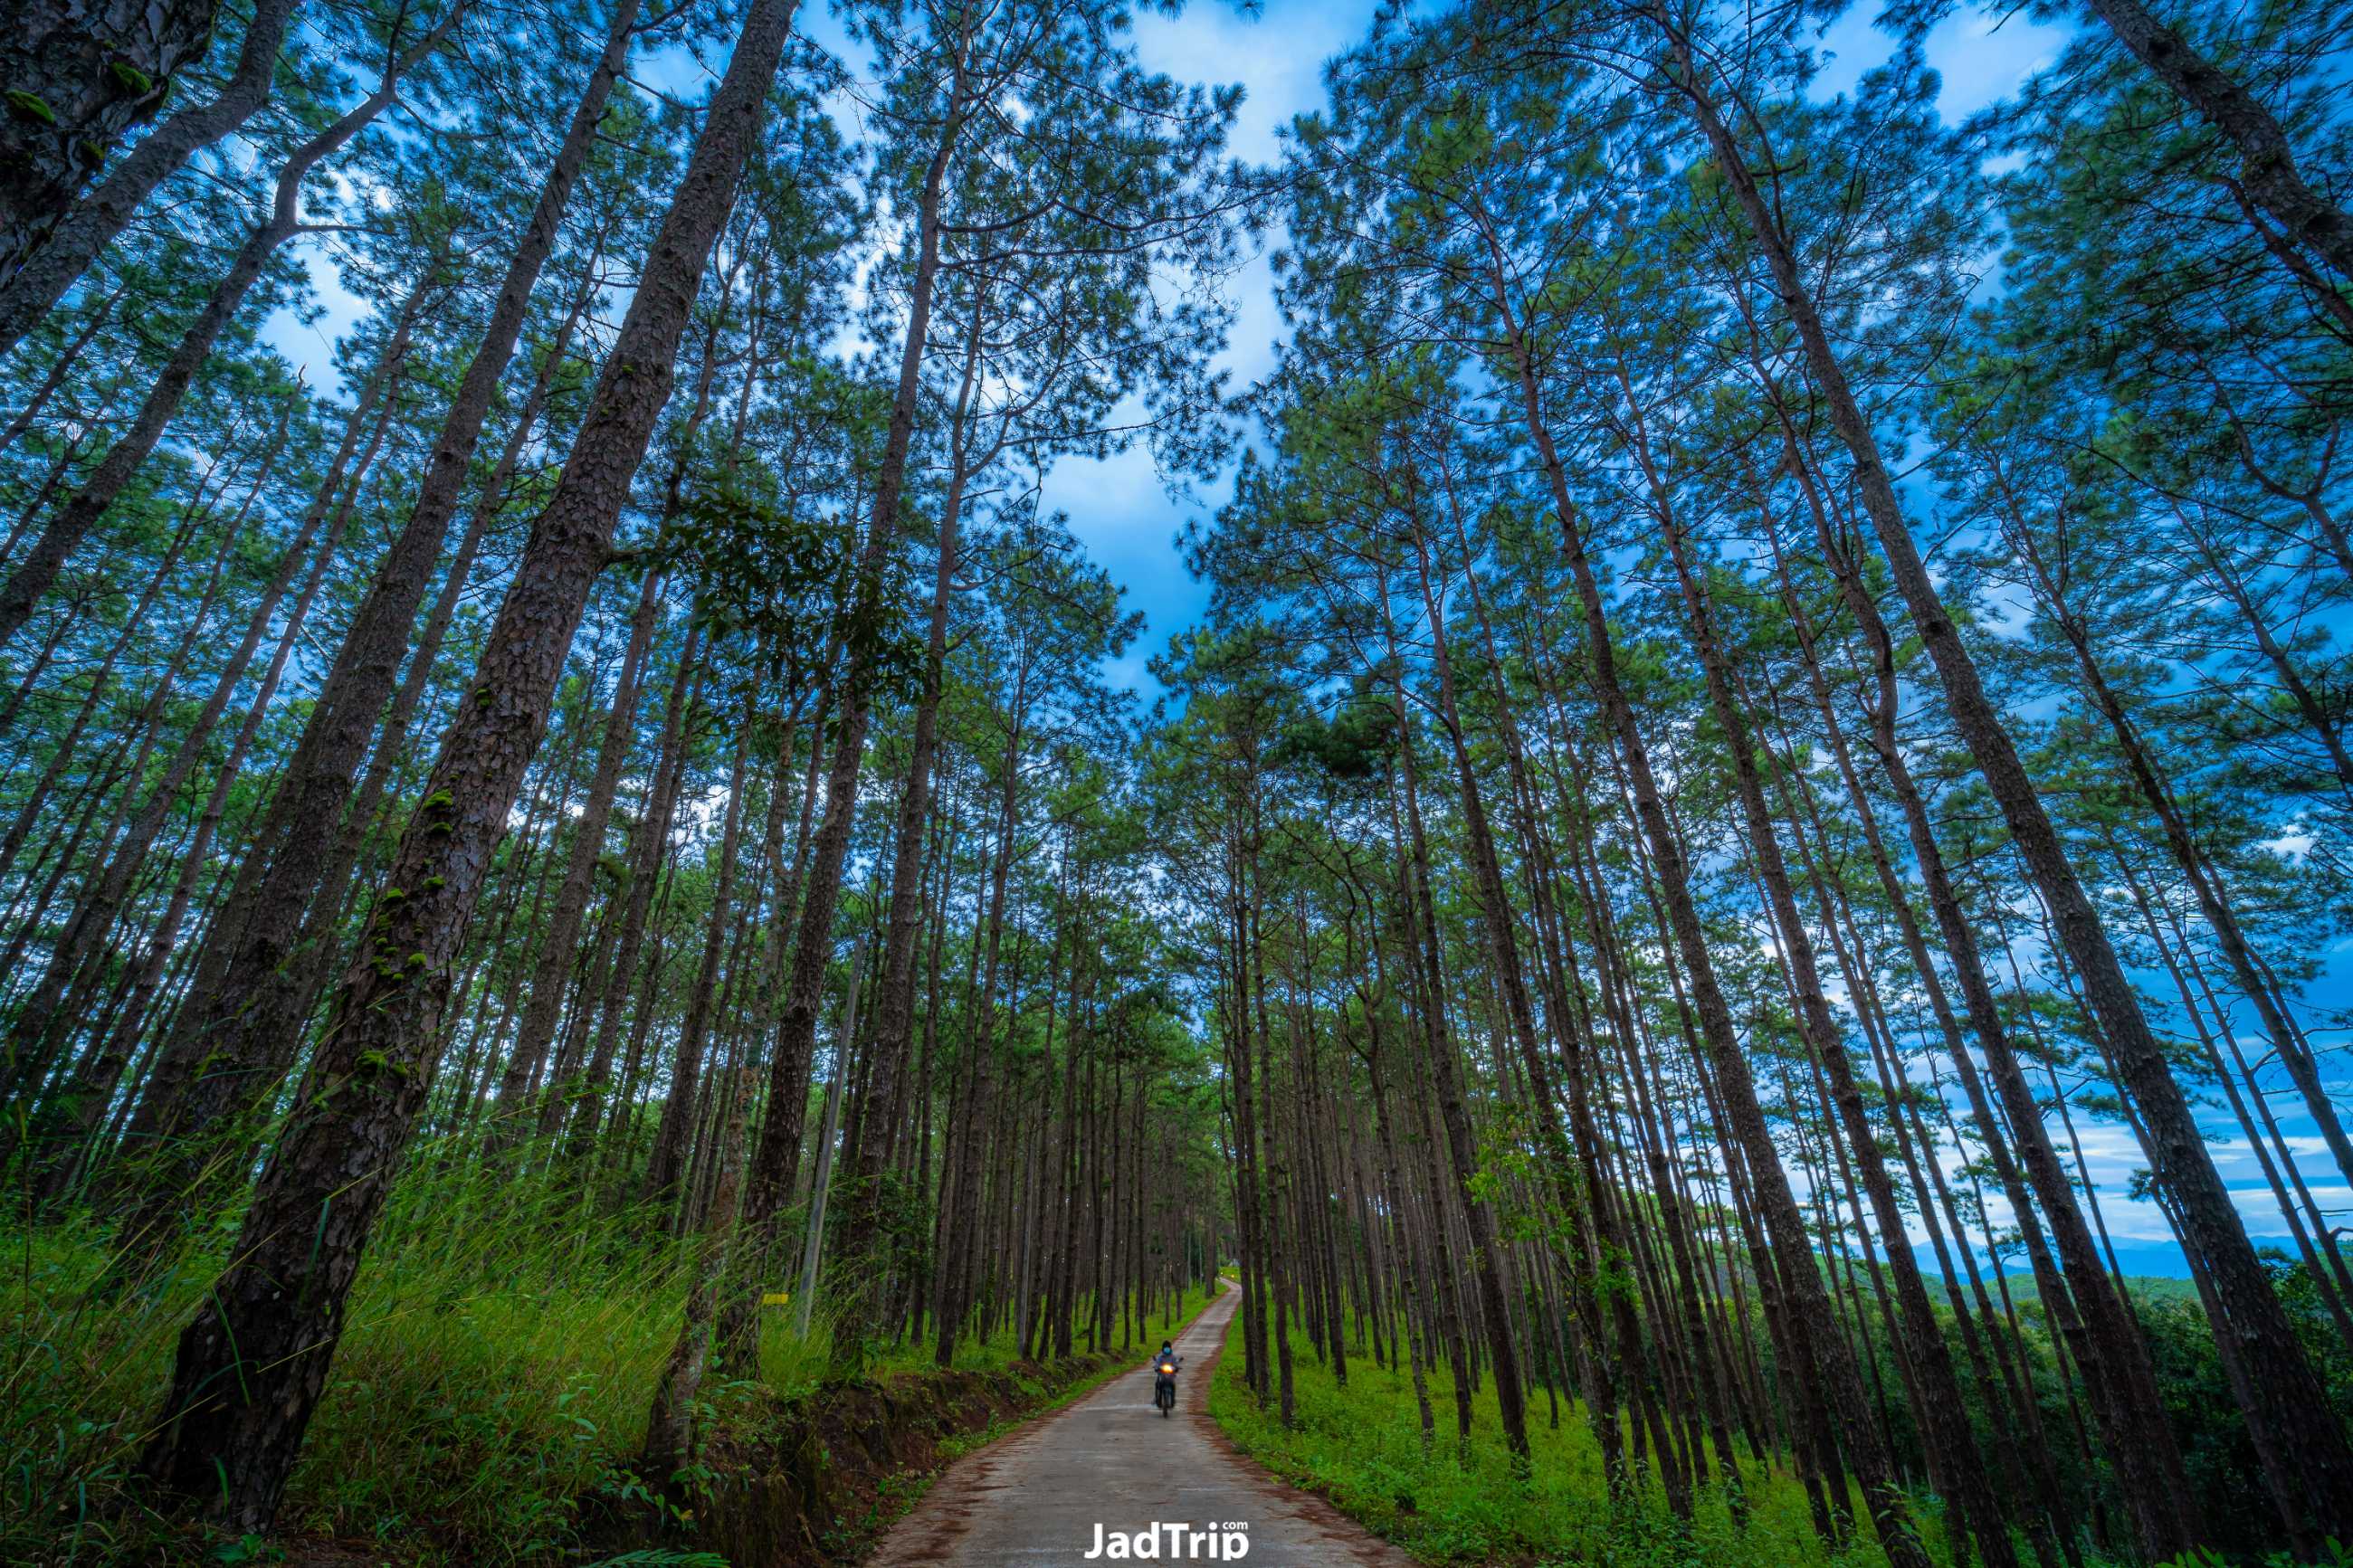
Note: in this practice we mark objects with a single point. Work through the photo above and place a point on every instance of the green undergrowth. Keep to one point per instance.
(488, 1398)
(1000, 1353)
(1361, 1447)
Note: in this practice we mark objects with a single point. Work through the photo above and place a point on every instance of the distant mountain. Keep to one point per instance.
(2155, 1269)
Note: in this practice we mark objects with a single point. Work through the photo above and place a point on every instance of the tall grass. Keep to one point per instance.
(1362, 1448)
(994, 1354)
(492, 1380)
(495, 1368)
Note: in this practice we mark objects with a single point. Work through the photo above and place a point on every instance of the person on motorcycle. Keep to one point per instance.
(1164, 1376)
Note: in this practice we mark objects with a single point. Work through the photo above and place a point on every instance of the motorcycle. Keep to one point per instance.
(1163, 1383)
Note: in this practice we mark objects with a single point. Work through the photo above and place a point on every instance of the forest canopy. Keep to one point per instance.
(1757, 802)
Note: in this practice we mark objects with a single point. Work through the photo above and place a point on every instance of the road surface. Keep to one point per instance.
(1058, 1490)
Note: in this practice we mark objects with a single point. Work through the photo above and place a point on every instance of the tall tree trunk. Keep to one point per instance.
(1578, 1195)
(1939, 1403)
(2287, 1041)
(778, 1151)
(2089, 1309)
(648, 846)
(34, 1033)
(821, 1178)
(668, 1160)
(954, 1299)
(895, 1013)
(1454, 1115)
(1815, 1334)
(331, 915)
(2301, 1442)
(558, 948)
(257, 993)
(670, 1428)
(2267, 166)
(96, 314)
(191, 1091)
(252, 1366)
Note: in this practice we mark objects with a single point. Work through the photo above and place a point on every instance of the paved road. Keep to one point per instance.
(1110, 1463)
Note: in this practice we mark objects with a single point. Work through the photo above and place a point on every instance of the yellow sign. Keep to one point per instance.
(775, 1299)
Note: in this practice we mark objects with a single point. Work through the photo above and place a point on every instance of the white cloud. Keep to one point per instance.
(1983, 56)
(311, 346)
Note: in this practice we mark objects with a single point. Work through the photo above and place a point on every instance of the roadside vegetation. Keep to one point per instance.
(1362, 1448)
(491, 1398)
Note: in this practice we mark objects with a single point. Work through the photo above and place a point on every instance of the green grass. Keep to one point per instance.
(996, 1354)
(494, 1371)
(1361, 1447)
(492, 1380)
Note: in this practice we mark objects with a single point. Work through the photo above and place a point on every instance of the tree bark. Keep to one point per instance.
(670, 1428)
(329, 915)
(2084, 1306)
(190, 1091)
(649, 845)
(1454, 1116)
(1821, 1343)
(32, 1033)
(669, 1159)
(558, 947)
(955, 1299)
(1577, 1194)
(895, 1013)
(778, 1153)
(256, 995)
(1939, 1405)
(33, 277)
(78, 74)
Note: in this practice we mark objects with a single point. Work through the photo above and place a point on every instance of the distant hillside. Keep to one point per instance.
(2156, 1287)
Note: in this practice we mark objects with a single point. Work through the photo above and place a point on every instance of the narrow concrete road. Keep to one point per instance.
(1110, 1463)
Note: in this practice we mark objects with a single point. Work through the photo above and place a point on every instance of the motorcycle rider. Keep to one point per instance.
(1161, 1377)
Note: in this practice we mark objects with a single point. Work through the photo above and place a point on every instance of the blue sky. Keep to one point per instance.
(1119, 508)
